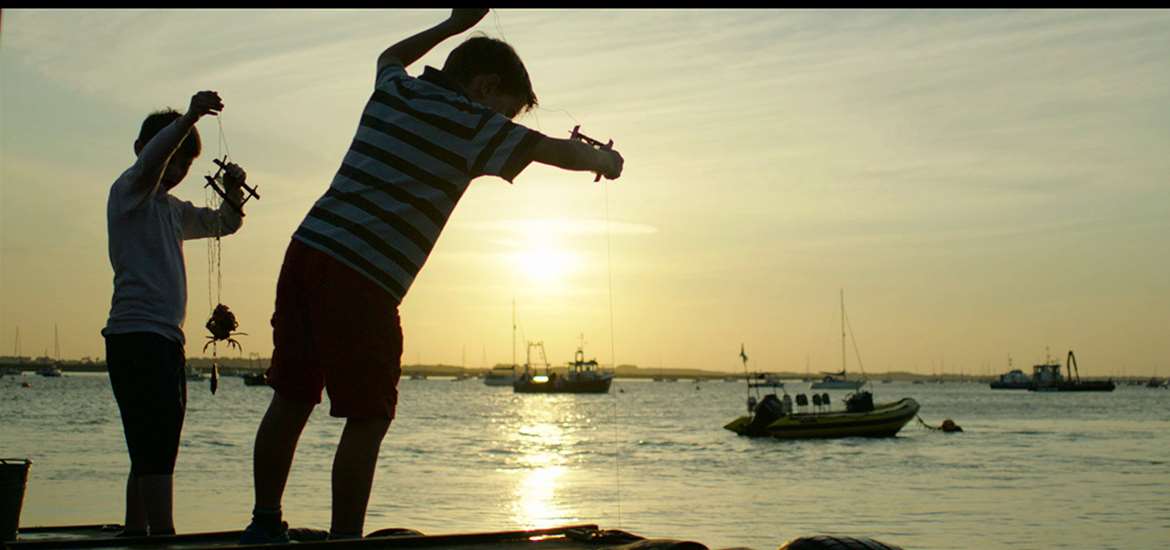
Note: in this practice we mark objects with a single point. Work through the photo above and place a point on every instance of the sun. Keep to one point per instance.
(544, 262)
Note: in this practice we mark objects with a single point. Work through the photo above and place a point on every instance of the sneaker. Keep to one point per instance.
(255, 534)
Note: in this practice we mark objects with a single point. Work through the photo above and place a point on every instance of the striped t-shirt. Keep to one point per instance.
(419, 144)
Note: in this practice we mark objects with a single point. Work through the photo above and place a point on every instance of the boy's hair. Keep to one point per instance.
(158, 120)
(484, 55)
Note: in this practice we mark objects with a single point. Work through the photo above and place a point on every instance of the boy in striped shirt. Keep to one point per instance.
(419, 144)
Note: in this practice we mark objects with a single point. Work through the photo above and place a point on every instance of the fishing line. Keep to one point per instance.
(499, 29)
(214, 247)
(609, 273)
(613, 358)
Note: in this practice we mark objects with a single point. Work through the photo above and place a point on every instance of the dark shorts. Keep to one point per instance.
(147, 375)
(333, 328)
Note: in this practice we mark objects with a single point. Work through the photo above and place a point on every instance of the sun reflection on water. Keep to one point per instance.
(543, 441)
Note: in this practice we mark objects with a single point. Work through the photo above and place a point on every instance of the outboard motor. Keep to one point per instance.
(767, 411)
(859, 402)
(816, 400)
(825, 399)
(801, 400)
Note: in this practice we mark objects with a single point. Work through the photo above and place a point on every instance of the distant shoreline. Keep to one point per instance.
(231, 366)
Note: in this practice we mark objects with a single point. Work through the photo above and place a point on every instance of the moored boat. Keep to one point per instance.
(500, 376)
(830, 380)
(1015, 379)
(581, 377)
(1047, 377)
(51, 371)
(771, 417)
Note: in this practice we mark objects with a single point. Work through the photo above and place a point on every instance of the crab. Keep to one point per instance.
(221, 324)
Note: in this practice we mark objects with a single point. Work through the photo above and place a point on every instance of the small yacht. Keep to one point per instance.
(500, 375)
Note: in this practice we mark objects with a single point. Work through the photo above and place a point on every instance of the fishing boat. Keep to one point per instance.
(830, 381)
(568, 537)
(1047, 377)
(581, 376)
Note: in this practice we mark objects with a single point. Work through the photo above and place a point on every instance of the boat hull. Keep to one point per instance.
(563, 386)
(838, 385)
(1076, 386)
(499, 380)
(1011, 385)
(884, 421)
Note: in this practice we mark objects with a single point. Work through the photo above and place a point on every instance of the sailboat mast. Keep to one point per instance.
(56, 344)
(842, 332)
(513, 334)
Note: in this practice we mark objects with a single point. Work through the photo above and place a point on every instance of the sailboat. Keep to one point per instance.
(53, 370)
(505, 375)
(830, 381)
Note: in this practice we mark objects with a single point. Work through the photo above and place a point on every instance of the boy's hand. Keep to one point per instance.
(611, 164)
(462, 19)
(204, 103)
(233, 177)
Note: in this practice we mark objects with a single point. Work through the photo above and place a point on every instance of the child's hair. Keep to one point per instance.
(484, 55)
(158, 120)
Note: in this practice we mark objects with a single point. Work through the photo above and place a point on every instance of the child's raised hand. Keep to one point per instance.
(465, 18)
(233, 176)
(204, 103)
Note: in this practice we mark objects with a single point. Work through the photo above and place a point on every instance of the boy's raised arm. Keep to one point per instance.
(155, 155)
(574, 155)
(411, 49)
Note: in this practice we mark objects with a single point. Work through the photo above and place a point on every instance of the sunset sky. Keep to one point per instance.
(982, 184)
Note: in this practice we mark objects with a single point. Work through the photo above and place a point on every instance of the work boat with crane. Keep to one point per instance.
(1047, 377)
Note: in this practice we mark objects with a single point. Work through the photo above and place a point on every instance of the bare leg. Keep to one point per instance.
(135, 510)
(158, 493)
(276, 443)
(353, 472)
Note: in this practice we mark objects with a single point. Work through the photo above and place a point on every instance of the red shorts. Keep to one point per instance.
(333, 328)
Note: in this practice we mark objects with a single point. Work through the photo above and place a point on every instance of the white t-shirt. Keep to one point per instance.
(146, 229)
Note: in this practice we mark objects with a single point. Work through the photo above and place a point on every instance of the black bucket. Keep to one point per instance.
(13, 477)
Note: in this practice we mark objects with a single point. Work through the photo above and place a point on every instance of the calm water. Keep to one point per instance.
(1030, 471)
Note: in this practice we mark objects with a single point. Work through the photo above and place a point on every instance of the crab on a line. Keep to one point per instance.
(221, 324)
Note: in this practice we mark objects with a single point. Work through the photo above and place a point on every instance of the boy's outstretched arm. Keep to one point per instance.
(411, 49)
(574, 155)
(200, 223)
